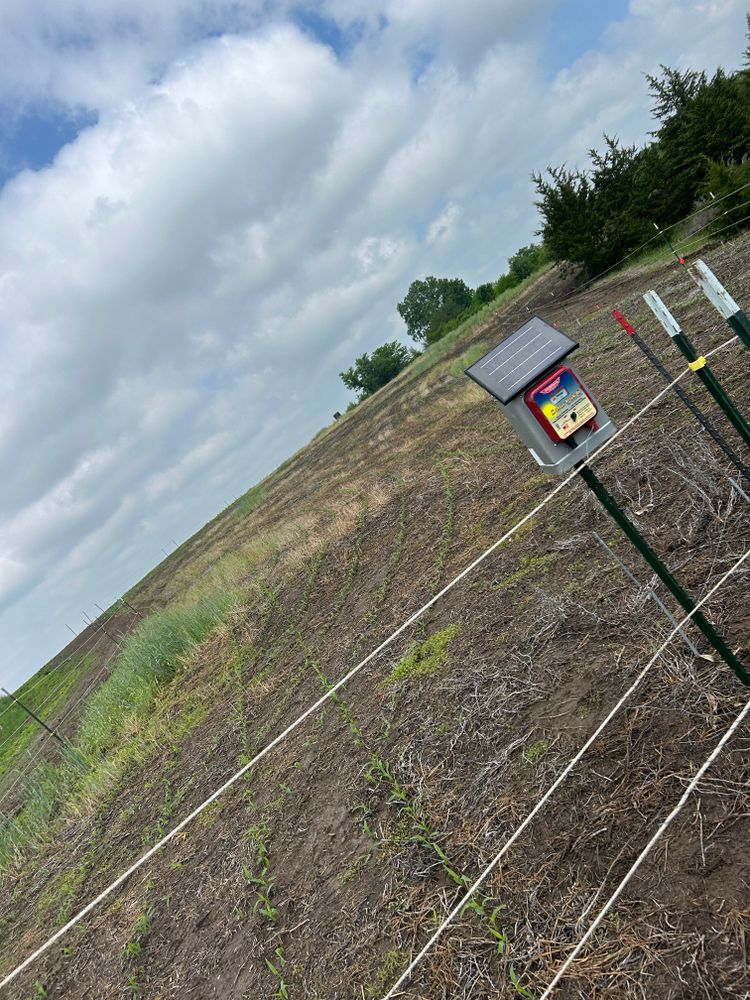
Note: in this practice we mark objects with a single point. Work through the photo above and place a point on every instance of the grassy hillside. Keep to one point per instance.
(330, 863)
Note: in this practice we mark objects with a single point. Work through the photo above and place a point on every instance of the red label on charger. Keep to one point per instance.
(562, 403)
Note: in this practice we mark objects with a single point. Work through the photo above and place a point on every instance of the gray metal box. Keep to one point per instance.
(518, 369)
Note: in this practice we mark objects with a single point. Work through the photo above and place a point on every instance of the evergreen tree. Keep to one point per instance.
(596, 217)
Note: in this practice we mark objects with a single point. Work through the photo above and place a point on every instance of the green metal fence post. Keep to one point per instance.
(618, 515)
(698, 365)
(721, 300)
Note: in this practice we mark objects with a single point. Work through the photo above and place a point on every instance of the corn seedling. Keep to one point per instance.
(446, 533)
(263, 882)
(141, 929)
(283, 990)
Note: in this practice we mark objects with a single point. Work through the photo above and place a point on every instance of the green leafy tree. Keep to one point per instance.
(483, 294)
(503, 283)
(525, 261)
(702, 120)
(594, 218)
(432, 303)
(370, 372)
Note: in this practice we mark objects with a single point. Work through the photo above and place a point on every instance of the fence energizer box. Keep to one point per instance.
(553, 412)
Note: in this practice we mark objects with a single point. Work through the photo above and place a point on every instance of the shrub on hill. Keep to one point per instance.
(431, 303)
(370, 372)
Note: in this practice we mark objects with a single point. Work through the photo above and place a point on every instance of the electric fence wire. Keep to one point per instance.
(37, 753)
(648, 848)
(99, 622)
(79, 649)
(524, 309)
(466, 898)
(724, 228)
(69, 710)
(334, 688)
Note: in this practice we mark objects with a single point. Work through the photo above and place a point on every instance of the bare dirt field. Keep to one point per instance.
(326, 867)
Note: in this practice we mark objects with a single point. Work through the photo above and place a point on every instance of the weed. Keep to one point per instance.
(355, 867)
(425, 657)
(527, 566)
(134, 948)
(520, 990)
(385, 972)
(497, 932)
(366, 816)
(536, 751)
(133, 988)
(141, 929)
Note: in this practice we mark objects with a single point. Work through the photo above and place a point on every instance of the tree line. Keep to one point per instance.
(594, 217)
(431, 308)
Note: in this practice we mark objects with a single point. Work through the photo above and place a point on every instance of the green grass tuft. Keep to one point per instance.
(527, 566)
(150, 657)
(536, 751)
(424, 658)
(249, 501)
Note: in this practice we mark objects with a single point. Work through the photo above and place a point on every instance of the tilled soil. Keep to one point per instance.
(321, 871)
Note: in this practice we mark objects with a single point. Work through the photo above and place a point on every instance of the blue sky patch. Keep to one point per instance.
(326, 31)
(577, 26)
(33, 140)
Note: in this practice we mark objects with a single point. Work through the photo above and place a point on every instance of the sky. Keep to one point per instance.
(208, 208)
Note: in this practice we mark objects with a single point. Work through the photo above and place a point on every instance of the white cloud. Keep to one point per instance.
(94, 54)
(179, 290)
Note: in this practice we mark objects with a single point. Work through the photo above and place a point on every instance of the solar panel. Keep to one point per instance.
(512, 366)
